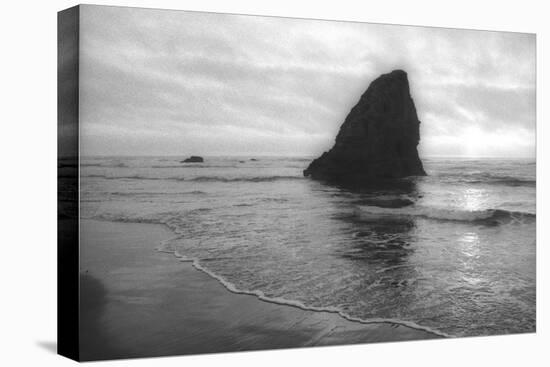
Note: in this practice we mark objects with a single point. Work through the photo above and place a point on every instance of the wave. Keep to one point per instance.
(132, 177)
(301, 159)
(165, 247)
(386, 201)
(177, 166)
(145, 193)
(488, 178)
(487, 216)
(244, 179)
(507, 181)
(197, 179)
(116, 165)
(193, 166)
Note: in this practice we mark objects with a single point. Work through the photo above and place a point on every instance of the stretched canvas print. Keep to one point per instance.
(234, 182)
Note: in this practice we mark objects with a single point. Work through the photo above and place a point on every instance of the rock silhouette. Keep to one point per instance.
(378, 139)
(193, 159)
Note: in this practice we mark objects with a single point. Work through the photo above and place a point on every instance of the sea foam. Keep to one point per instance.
(486, 216)
(165, 247)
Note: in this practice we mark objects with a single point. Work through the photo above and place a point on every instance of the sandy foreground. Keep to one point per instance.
(138, 302)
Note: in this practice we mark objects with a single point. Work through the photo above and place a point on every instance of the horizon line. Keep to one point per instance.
(290, 156)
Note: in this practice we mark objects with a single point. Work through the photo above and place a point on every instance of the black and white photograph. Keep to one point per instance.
(248, 182)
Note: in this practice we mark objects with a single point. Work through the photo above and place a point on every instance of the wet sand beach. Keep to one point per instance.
(138, 302)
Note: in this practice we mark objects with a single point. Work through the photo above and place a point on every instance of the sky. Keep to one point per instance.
(159, 82)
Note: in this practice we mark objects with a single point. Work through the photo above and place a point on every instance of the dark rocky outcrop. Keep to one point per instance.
(193, 159)
(378, 138)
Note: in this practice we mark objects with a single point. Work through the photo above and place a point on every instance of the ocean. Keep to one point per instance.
(452, 253)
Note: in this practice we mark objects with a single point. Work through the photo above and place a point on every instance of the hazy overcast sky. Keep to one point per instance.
(157, 82)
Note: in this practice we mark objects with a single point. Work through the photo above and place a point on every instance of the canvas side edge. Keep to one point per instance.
(68, 23)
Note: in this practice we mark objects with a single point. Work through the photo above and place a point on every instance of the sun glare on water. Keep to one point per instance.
(473, 199)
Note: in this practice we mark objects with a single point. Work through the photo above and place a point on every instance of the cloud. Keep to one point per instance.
(172, 82)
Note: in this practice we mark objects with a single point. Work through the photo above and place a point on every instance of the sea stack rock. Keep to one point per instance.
(193, 159)
(378, 138)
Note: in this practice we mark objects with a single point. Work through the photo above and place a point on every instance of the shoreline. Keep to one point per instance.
(296, 304)
(138, 301)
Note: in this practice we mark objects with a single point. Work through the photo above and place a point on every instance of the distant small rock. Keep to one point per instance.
(253, 159)
(193, 159)
(241, 161)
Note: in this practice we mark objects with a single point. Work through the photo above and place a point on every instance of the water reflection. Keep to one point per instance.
(469, 244)
(473, 199)
(395, 187)
(378, 247)
(381, 245)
